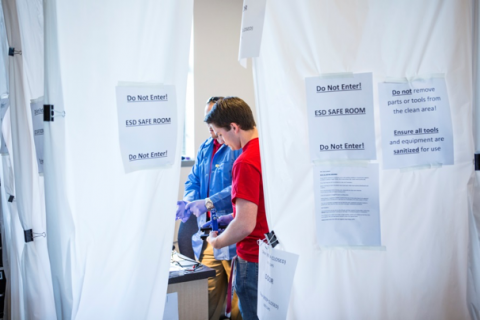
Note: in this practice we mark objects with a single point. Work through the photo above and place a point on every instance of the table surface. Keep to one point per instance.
(201, 272)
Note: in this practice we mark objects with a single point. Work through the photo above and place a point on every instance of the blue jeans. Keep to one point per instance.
(246, 286)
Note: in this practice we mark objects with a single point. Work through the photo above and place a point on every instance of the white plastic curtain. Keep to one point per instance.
(10, 253)
(3, 56)
(474, 214)
(110, 233)
(24, 25)
(422, 273)
(476, 70)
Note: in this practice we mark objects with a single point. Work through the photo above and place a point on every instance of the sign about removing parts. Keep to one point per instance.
(416, 123)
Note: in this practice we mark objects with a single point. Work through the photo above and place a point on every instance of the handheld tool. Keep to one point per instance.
(214, 225)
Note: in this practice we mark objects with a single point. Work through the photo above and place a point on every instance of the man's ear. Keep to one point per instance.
(234, 127)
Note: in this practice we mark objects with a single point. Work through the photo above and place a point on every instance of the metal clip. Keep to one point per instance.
(49, 113)
(12, 52)
(271, 239)
(28, 235)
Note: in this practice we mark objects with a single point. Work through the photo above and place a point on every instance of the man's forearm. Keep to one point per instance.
(240, 227)
(235, 232)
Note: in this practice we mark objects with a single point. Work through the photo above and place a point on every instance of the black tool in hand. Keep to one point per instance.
(213, 226)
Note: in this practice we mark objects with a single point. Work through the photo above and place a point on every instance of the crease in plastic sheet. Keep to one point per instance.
(473, 280)
(3, 55)
(474, 248)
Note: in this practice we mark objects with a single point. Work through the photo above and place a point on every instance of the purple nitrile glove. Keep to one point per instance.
(182, 213)
(208, 225)
(197, 207)
(222, 221)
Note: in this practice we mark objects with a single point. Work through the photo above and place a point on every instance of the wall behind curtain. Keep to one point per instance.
(422, 274)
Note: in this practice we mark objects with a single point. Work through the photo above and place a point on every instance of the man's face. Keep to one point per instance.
(230, 138)
(209, 107)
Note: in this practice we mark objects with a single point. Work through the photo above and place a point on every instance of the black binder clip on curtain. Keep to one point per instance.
(49, 113)
(12, 51)
(271, 239)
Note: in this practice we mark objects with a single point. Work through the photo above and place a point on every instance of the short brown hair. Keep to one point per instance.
(228, 110)
(213, 99)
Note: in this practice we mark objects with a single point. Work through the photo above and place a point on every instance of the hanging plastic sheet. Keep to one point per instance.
(24, 27)
(12, 231)
(30, 20)
(422, 273)
(3, 56)
(5, 225)
(110, 233)
(473, 295)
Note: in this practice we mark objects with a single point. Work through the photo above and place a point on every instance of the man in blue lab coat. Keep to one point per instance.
(209, 187)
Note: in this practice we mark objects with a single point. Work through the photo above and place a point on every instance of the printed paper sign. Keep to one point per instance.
(347, 206)
(416, 123)
(252, 29)
(171, 307)
(276, 270)
(147, 120)
(37, 121)
(340, 117)
(4, 104)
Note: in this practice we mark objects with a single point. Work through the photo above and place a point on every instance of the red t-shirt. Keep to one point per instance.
(247, 184)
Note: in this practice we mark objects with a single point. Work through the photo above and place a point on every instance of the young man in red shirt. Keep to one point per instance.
(232, 120)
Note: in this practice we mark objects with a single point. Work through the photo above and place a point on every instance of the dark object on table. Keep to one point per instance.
(185, 233)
